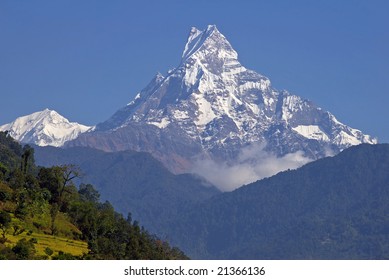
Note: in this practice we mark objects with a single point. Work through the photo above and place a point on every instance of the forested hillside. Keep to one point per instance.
(334, 208)
(44, 215)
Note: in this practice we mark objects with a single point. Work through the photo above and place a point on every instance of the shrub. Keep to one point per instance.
(48, 251)
(5, 221)
(24, 250)
(5, 192)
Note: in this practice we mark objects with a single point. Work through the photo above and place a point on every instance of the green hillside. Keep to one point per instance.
(44, 215)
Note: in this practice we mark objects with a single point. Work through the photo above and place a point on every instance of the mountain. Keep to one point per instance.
(133, 182)
(212, 108)
(44, 128)
(333, 208)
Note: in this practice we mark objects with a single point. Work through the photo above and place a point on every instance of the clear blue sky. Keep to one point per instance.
(86, 59)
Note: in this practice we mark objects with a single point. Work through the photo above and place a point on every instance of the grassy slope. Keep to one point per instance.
(64, 243)
(55, 243)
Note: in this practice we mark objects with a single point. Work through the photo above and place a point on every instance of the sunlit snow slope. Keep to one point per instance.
(44, 128)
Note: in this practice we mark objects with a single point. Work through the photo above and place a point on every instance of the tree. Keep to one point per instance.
(5, 221)
(24, 250)
(5, 192)
(88, 193)
(28, 161)
(58, 180)
(3, 171)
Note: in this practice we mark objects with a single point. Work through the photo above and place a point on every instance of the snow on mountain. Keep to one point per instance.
(212, 107)
(44, 128)
(311, 132)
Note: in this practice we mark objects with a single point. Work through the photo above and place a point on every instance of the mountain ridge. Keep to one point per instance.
(333, 208)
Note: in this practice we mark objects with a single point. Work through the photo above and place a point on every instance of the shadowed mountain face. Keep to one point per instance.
(333, 208)
(211, 108)
(133, 182)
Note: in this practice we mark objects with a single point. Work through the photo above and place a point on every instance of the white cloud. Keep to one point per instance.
(252, 164)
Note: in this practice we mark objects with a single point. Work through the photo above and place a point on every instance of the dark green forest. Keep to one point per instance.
(42, 207)
(333, 208)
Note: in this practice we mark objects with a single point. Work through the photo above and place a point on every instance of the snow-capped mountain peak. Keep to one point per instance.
(212, 106)
(198, 40)
(193, 40)
(44, 128)
(209, 49)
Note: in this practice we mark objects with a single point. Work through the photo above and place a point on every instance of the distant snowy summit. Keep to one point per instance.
(212, 107)
(44, 128)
